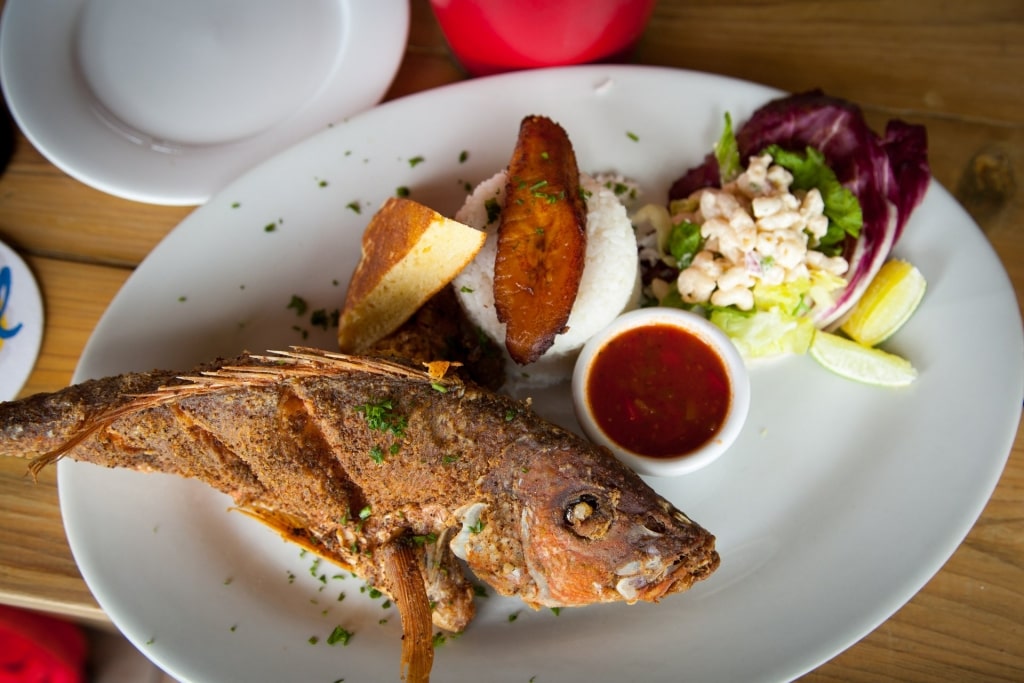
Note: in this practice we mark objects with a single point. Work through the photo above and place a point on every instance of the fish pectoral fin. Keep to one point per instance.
(402, 564)
(293, 529)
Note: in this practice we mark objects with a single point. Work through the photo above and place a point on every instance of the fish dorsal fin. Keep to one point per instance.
(301, 361)
(275, 366)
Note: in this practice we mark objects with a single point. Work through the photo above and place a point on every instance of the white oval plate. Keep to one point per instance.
(21, 322)
(837, 503)
(167, 102)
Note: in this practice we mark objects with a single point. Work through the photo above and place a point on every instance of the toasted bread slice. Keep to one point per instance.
(409, 253)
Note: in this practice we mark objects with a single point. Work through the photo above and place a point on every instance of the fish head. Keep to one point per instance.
(577, 528)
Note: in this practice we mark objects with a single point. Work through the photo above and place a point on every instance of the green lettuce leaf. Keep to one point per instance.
(841, 206)
(727, 153)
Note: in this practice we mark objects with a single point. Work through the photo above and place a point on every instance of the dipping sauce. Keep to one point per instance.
(659, 391)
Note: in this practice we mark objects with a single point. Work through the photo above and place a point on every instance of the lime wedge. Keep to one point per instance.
(887, 303)
(851, 360)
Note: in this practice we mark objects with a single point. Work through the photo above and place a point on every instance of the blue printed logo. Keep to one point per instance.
(5, 296)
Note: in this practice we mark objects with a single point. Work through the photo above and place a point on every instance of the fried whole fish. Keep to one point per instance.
(391, 471)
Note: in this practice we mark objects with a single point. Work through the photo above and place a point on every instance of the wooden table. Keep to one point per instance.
(955, 67)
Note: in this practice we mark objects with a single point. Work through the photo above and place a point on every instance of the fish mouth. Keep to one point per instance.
(656, 579)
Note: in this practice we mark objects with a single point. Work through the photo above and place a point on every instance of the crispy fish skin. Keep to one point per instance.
(353, 457)
(541, 240)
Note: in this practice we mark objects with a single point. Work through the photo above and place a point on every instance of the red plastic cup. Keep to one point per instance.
(494, 36)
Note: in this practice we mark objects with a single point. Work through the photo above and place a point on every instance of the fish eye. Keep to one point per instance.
(589, 517)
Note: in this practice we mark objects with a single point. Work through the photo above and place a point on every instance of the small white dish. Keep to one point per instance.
(21, 323)
(632, 377)
(166, 102)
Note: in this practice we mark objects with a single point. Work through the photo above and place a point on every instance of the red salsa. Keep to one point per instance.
(658, 390)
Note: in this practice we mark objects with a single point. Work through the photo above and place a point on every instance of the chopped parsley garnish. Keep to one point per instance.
(299, 304)
(463, 155)
(380, 416)
(377, 454)
(402, 191)
(477, 527)
(339, 635)
(493, 209)
(423, 539)
(416, 161)
(365, 513)
(632, 136)
(270, 227)
(354, 206)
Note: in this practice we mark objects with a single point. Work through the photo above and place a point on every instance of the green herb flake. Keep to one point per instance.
(512, 617)
(493, 209)
(439, 639)
(365, 513)
(339, 635)
(463, 156)
(354, 206)
(313, 640)
(477, 527)
(182, 298)
(465, 289)
(322, 183)
(235, 205)
(380, 417)
(402, 191)
(320, 318)
(632, 136)
(377, 454)
(415, 161)
(424, 539)
(480, 591)
(299, 304)
(439, 388)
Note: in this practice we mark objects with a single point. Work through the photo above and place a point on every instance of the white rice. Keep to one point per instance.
(610, 284)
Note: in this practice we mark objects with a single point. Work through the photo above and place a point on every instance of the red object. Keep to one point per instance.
(492, 36)
(35, 648)
(659, 391)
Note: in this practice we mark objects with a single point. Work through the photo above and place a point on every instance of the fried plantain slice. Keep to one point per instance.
(541, 240)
